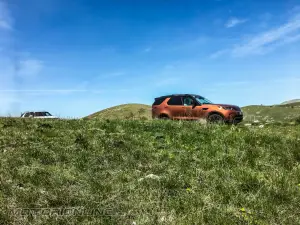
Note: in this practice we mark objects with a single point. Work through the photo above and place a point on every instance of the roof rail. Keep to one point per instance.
(167, 96)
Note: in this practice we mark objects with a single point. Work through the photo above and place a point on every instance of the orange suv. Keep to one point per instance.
(194, 107)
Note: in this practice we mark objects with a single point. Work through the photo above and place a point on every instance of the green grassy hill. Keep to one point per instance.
(295, 104)
(291, 101)
(126, 111)
(148, 172)
(277, 113)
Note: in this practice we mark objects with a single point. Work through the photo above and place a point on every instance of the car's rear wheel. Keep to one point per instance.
(215, 118)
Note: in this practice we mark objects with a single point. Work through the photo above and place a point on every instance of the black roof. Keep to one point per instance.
(168, 96)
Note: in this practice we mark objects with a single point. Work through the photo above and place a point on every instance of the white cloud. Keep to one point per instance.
(29, 67)
(9, 102)
(259, 42)
(267, 41)
(5, 18)
(232, 22)
(12, 71)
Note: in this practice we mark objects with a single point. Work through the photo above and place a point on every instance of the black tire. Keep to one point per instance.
(215, 118)
(235, 122)
(164, 117)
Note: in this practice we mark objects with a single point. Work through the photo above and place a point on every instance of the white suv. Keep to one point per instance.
(43, 114)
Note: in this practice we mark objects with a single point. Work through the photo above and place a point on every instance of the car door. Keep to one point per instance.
(189, 109)
(193, 110)
(175, 107)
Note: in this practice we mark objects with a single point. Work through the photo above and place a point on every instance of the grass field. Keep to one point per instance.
(270, 114)
(149, 172)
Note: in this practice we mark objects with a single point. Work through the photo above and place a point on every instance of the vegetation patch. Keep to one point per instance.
(148, 172)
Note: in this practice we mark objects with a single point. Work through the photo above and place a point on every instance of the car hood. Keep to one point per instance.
(235, 107)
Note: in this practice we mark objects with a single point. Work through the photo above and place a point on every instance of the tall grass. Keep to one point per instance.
(149, 172)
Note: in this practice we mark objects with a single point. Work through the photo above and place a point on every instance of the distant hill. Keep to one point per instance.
(291, 102)
(125, 111)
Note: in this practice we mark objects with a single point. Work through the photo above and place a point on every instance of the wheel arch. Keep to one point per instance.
(215, 112)
(163, 115)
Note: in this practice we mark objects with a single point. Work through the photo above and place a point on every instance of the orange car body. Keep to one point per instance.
(194, 107)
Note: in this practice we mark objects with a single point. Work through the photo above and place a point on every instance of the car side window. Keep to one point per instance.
(188, 101)
(158, 101)
(175, 100)
(37, 114)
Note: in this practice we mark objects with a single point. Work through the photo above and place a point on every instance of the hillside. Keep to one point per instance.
(148, 172)
(291, 101)
(294, 104)
(276, 113)
(126, 111)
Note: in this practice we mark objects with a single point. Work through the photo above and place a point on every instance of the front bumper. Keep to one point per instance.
(235, 117)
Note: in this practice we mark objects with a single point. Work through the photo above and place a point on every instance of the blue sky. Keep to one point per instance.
(75, 57)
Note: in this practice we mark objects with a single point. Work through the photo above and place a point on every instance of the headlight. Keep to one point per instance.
(226, 107)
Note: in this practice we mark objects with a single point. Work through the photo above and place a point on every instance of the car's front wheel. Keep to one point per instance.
(215, 118)
(164, 117)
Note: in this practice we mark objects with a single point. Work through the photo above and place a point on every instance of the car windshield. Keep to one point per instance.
(203, 100)
(48, 114)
